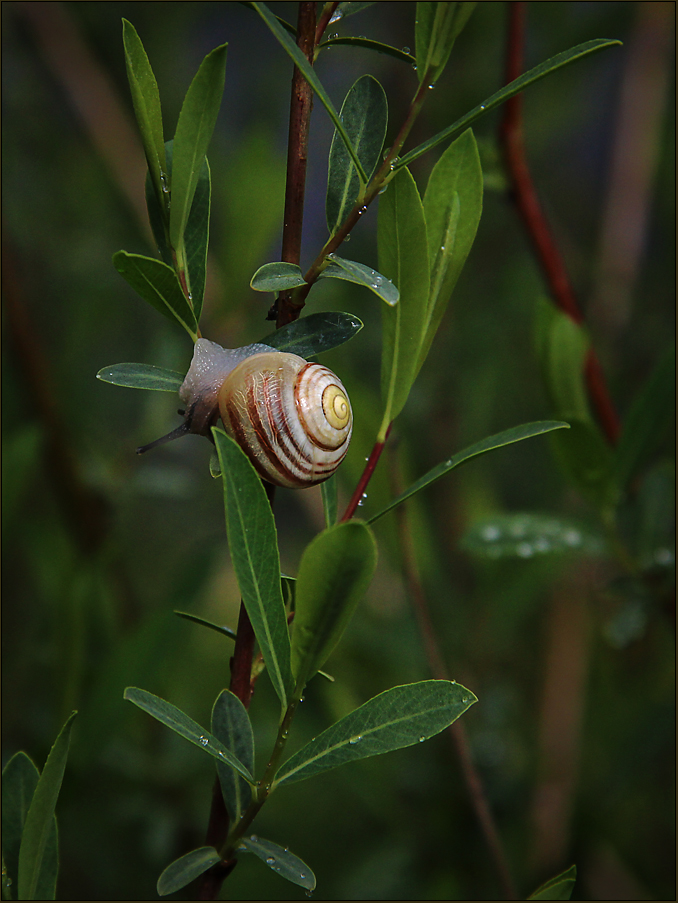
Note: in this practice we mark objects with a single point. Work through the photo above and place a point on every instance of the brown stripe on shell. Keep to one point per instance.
(265, 445)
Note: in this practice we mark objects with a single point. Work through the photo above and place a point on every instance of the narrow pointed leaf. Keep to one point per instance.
(399, 717)
(196, 237)
(528, 535)
(328, 491)
(334, 574)
(349, 8)
(437, 27)
(403, 258)
(196, 123)
(647, 423)
(507, 437)
(39, 826)
(369, 44)
(364, 114)
(314, 334)
(510, 90)
(252, 539)
(157, 283)
(453, 203)
(582, 453)
(186, 727)
(349, 270)
(278, 858)
(142, 376)
(146, 100)
(186, 869)
(19, 780)
(231, 726)
(558, 888)
(289, 45)
(277, 277)
(224, 631)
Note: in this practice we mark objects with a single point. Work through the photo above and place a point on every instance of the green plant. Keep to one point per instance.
(423, 244)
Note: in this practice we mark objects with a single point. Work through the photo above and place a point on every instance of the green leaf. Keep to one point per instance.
(583, 454)
(403, 258)
(196, 123)
(185, 869)
(510, 90)
(231, 726)
(436, 29)
(350, 8)
(364, 114)
(349, 270)
(453, 203)
(507, 437)
(142, 376)
(648, 421)
(328, 491)
(334, 574)
(224, 631)
(558, 888)
(314, 334)
(146, 100)
(196, 237)
(278, 858)
(369, 44)
(289, 45)
(277, 277)
(252, 539)
(39, 827)
(286, 25)
(399, 717)
(186, 727)
(157, 283)
(528, 535)
(19, 780)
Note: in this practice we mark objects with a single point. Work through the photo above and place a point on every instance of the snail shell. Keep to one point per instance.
(291, 417)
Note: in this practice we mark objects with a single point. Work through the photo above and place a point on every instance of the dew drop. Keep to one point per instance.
(348, 237)
(364, 495)
(465, 699)
(362, 210)
(572, 538)
(431, 87)
(421, 739)
(354, 740)
(270, 860)
(360, 504)
(339, 14)
(336, 33)
(482, 106)
(204, 741)
(254, 838)
(406, 50)
(362, 37)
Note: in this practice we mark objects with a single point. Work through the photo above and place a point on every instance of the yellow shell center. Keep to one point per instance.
(336, 407)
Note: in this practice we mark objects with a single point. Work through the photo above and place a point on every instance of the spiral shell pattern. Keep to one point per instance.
(292, 418)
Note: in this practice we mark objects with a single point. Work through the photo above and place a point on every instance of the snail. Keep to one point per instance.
(291, 417)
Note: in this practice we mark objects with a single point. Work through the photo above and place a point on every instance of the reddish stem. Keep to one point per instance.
(539, 232)
(366, 477)
(287, 310)
(324, 20)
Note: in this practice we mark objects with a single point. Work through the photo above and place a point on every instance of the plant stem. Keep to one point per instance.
(328, 11)
(438, 669)
(301, 104)
(366, 477)
(539, 233)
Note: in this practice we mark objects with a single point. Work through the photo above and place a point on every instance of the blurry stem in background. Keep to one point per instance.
(563, 694)
(633, 168)
(456, 731)
(527, 202)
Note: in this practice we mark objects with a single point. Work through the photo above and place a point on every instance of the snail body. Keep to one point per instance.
(291, 417)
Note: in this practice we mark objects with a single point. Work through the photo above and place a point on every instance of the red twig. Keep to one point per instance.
(525, 196)
(366, 477)
(324, 21)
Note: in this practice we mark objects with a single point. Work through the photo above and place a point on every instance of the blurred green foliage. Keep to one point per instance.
(100, 546)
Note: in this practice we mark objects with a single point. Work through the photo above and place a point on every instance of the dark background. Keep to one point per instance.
(574, 731)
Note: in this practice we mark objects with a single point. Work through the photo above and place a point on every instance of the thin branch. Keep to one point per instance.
(539, 232)
(324, 20)
(297, 155)
(436, 662)
(372, 462)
